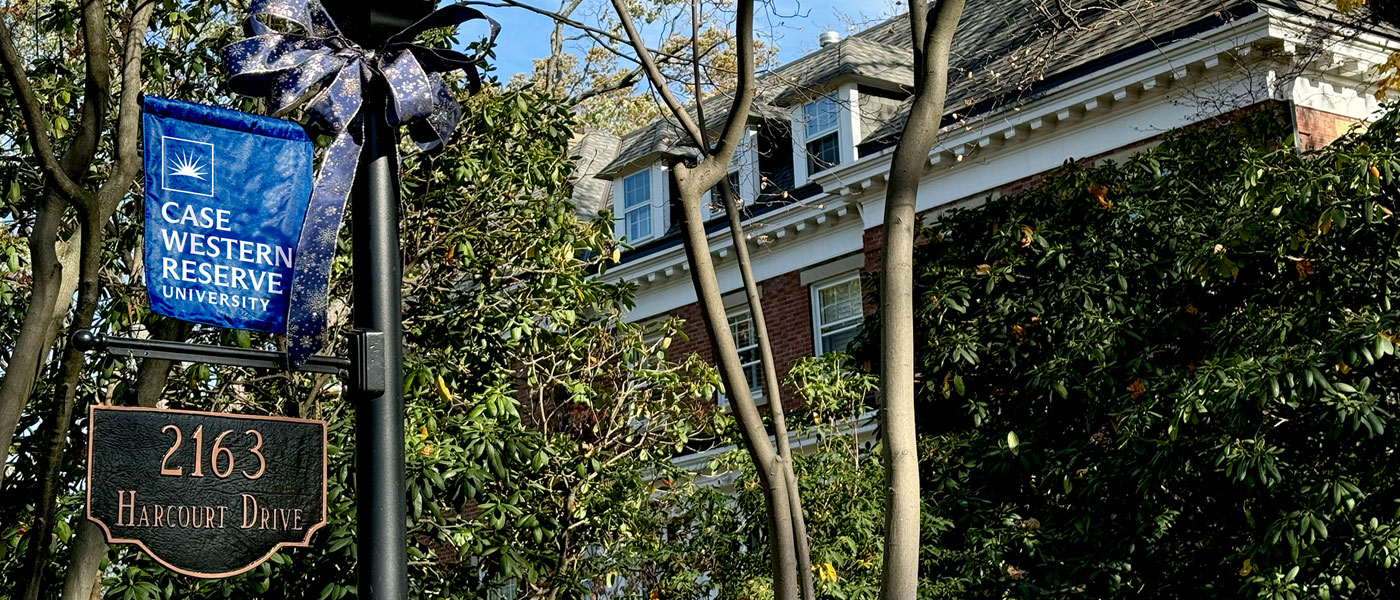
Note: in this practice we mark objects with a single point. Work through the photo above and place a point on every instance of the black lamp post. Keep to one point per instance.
(379, 413)
(370, 23)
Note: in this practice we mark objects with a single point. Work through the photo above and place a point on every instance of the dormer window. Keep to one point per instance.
(636, 206)
(716, 202)
(742, 175)
(822, 130)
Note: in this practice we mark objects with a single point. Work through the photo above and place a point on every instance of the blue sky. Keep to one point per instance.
(793, 25)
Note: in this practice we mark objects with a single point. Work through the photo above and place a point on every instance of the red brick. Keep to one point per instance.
(1318, 128)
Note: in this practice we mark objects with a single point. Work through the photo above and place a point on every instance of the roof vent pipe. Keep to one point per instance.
(828, 38)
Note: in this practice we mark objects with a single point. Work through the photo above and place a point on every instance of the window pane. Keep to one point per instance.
(639, 223)
(821, 116)
(839, 314)
(741, 326)
(753, 375)
(636, 189)
(823, 153)
(840, 302)
(837, 342)
(746, 342)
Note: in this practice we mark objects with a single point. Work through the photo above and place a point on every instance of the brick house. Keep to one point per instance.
(1029, 90)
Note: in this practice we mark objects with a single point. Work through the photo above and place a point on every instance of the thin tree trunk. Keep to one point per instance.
(60, 420)
(932, 33)
(692, 181)
(82, 579)
(801, 545)
(30, 351)
(767, 463)
(94, 211)
(553, 70)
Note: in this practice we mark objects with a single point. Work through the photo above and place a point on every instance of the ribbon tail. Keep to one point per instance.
(308, 301)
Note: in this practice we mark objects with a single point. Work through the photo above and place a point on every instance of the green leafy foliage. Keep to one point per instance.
(721, 520)
(537, 420)
(1170, 377)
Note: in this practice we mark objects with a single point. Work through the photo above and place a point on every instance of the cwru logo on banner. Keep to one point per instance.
(226, 194)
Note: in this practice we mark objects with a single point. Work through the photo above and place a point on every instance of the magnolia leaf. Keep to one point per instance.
(442, 390)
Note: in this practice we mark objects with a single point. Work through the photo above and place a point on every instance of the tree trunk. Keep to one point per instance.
(31, 346)
(35, 338)
(82, 579)
(60, 420)
(775, 397)
(932, 37)
(768, 464)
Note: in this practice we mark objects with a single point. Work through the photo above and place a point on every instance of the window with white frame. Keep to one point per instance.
(837, 313)
(636, 206)
(822, 132)
(746, 341)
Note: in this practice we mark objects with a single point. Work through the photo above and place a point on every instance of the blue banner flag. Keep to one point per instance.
(226, 195)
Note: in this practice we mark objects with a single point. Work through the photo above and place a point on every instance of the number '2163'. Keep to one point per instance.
(216, 453)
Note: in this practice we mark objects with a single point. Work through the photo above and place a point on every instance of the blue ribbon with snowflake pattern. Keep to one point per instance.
(321, 71)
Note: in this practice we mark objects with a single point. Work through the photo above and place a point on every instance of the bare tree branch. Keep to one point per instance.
(97, 85)
(696, 80)
(738, 120)
(628, 80)
(129, 113)
(658, 81)
(563, 18)
(34, 120)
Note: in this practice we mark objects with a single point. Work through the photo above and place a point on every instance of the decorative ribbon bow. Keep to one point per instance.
(286, 68)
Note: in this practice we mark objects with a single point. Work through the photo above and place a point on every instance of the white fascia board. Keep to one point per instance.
(1112, 132)
(1340, 79)
(766, 224)
(1070, 96)
(1350, 42)
(862, 427)
(1336, 95)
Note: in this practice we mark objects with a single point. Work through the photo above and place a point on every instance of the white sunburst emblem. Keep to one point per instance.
(187, 165)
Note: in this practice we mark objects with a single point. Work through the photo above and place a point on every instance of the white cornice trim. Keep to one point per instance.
(1133, 81)
(1147, 79)
(781, 226)
(862, 428)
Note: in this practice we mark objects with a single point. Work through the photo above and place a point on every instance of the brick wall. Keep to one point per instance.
(1318, 128)
(698, 342)
(787, 309)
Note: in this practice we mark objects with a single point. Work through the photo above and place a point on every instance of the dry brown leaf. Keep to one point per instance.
(1100, 193)
(1304, 267)
(1137, 388)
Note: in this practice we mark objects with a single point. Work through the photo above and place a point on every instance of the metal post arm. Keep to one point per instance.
(88, 341)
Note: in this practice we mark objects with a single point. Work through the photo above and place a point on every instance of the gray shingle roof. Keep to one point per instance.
(1006, 56)
(664, 137)
(592, 152)
(1005, 52)
(659, 138)
(800, 80)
